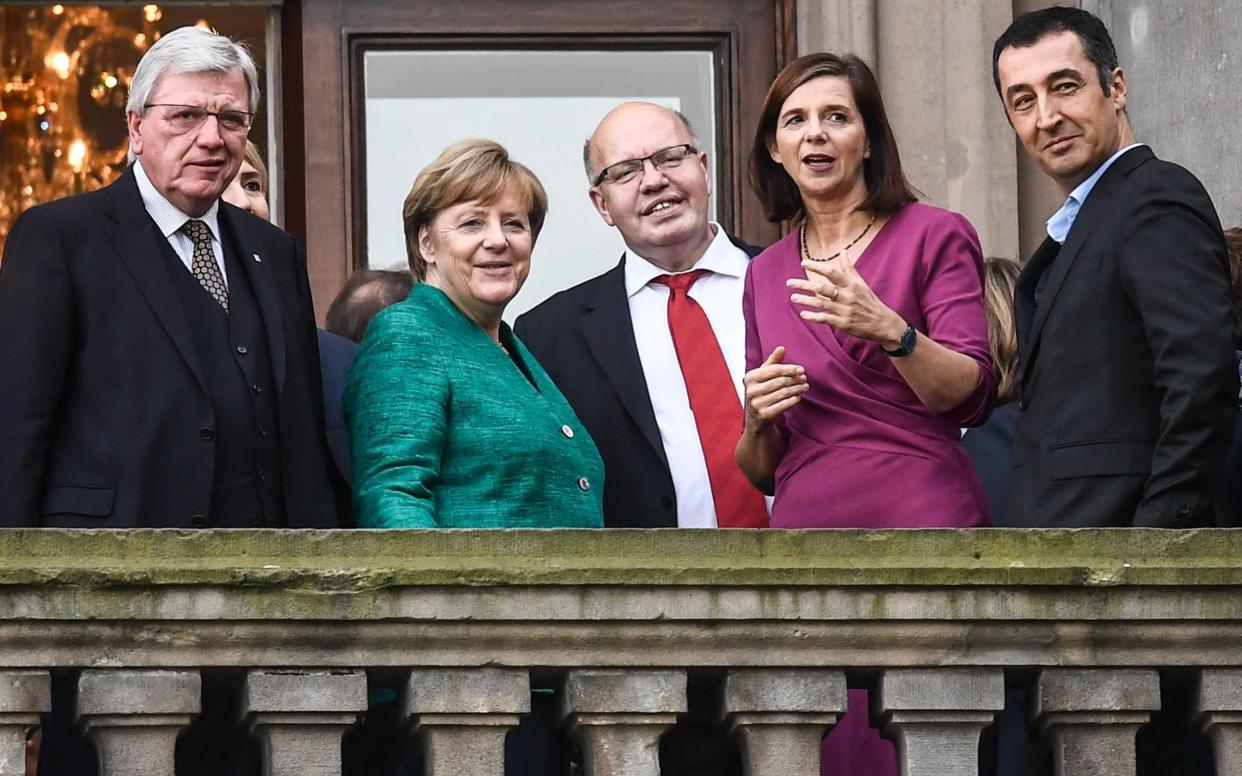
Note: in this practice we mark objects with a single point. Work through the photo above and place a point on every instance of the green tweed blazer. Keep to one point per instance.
(446, 430)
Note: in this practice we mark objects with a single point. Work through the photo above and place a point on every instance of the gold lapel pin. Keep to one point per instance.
(256, 258)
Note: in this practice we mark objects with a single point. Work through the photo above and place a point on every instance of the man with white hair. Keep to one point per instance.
(158, 359)
(157, 346)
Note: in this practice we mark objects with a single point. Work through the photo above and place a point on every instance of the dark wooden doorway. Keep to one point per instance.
(752, 40)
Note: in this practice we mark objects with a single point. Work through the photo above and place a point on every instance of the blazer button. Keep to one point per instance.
(256, 388)
(207, 433)
(584, 483)
(567, 431)
(198, 521)
(241, 350)
(1024, 403)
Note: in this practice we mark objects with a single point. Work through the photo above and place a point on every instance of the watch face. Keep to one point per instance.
(909, 338)
(907, 342)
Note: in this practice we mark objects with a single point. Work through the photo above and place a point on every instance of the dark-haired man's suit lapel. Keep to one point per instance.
(1129, 381)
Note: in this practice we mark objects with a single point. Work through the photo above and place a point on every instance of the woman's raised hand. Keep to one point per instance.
(839, 297)
(772, 387)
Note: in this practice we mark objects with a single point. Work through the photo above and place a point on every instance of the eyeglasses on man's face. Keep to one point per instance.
(632, 169)
(187, 118)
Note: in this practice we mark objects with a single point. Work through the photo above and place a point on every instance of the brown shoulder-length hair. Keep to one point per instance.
(887, 187)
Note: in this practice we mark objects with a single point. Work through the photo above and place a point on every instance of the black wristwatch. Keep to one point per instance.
(908, 338)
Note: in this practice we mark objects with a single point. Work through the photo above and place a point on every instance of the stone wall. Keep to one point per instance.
(1183, 69)
(774, 623)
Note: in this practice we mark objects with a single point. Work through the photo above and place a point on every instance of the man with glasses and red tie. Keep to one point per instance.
(651, 353)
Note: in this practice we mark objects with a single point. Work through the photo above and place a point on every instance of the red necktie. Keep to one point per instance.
(713, 400)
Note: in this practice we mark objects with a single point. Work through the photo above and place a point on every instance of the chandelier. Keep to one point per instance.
(64, 78)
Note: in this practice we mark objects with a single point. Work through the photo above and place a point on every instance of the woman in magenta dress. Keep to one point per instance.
(866, 337)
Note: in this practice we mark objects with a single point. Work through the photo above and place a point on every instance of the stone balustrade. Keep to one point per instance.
(934, 623)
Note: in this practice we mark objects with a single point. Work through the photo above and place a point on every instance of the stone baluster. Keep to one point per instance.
(935, 716)
(779, 717)
(619, 716)
(301, 716)
(134, 717)
(24, 695)
(1220, 714)
(1093, 716)
(461, 717)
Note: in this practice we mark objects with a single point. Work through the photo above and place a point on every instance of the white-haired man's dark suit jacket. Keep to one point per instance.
(106, 415)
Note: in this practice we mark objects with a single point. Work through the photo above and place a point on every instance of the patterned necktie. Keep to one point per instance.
(204, 266)
(713, 400)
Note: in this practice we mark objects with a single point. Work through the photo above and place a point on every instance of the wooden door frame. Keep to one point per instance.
(324, 41)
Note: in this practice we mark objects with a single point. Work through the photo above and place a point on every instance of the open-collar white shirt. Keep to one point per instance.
(169, 219)
(720, 295)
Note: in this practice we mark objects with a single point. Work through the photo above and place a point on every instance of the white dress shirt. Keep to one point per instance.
(720, 295)
(169, 219)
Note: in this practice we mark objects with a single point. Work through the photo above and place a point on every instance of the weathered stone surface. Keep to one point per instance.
(360, 561)
(461, 717)
(936, 715)
(1220, 714)
(1093, 716)
(24, 695)
(134, 717)
(301, 717)
(467, 691)
(619, 717)
(779, 716)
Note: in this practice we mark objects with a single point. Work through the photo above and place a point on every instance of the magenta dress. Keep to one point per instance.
(862, 450)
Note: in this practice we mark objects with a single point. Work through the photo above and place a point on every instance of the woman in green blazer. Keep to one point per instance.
(452, 422)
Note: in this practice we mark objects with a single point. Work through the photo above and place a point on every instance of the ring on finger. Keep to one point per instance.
(835, 293)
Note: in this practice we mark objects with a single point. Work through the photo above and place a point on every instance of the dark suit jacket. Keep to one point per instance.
(336, 354)
(584, 339)
(990, 448)
(104, 414)
(1129, 383)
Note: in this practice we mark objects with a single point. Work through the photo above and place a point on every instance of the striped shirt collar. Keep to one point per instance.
(167, 216)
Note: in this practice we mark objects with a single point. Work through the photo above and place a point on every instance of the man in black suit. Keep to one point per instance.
(157, 346)
(158, 358)
(607, 342)
(1125, 336)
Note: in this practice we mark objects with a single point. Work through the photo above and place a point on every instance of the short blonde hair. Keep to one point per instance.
(466, 171)
(1000, 278)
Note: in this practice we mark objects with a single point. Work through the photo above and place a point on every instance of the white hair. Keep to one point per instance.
(190, 50)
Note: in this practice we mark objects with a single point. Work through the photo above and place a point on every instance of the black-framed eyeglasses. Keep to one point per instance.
(632, 169)
(186, 118)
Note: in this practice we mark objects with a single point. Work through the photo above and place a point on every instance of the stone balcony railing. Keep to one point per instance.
(931, 621)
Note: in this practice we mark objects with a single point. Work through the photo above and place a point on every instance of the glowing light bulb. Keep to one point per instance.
(140, 40)
(110, 81)
(58, 9)
(77, 155)
(58, 61)
(3, 115)
(152, 12)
